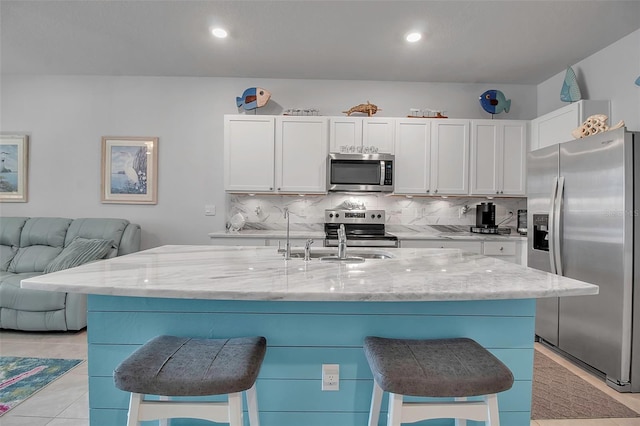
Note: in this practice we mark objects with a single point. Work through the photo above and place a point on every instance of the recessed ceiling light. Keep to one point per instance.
(413, 37)
(219, 32)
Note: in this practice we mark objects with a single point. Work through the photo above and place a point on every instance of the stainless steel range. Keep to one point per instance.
(364, 228)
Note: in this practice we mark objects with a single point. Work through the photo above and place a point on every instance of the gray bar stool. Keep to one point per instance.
(182, 366)
(443, 368)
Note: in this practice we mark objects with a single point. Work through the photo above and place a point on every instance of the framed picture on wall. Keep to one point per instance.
(14, 158)
(129, 170)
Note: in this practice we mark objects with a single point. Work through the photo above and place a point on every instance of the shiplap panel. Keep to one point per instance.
(301, 336)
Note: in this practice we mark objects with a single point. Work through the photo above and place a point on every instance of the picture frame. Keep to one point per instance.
(129, 170)
(14, 164)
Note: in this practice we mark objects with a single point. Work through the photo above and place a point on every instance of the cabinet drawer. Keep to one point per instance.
(470, 246)
(499, 248)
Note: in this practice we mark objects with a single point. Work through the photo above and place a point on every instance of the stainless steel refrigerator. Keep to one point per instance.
(580, 216)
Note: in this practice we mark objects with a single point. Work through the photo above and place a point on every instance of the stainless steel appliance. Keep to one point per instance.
(485, 219)
(522, 222)
(360, 172)
(364, 228)
(580, 216)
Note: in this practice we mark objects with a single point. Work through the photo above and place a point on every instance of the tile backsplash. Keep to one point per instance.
(307, 212)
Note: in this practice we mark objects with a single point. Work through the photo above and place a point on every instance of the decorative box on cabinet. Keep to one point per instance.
(556, 126)
(362, 132)
(275, 154)
(498, 156)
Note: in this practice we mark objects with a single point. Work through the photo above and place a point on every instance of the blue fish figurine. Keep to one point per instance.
(570, 91)
(253, 97)
(494, 102)
(638, 81)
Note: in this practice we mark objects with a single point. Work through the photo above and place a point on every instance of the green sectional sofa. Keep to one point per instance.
(34, 246)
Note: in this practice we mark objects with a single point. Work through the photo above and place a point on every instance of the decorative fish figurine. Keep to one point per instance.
(594, 124)
(367, 108)
(253, 97)
(638, 81)
(570, 91)
(494, 102)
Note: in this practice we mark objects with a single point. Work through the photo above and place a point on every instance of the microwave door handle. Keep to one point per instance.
(550, 231)
(382, 169)
(557, 217)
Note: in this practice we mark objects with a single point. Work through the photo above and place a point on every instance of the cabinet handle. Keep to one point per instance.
(270, 188)
(497, 192)
(501, 248)
(278, 189)
(428, 190)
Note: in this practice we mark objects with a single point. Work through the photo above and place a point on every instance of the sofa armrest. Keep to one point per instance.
(130, 242)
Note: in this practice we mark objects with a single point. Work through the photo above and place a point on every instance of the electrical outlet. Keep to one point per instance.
(330, 377)
(210, 210)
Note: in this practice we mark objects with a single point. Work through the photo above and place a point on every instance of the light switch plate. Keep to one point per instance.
(210, 210)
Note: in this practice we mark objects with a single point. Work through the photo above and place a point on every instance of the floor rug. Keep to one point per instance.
(22, 377)
(560, 394)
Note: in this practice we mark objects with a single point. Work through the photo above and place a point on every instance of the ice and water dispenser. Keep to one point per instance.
(541, 232)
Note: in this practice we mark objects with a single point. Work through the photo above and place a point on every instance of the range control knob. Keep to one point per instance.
(330, 214)
(337, 214)
(379, 216)
(373, 216)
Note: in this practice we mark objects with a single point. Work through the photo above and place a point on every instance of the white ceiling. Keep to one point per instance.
(520, 42)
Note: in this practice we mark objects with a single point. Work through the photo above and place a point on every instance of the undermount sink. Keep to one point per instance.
(353, 256)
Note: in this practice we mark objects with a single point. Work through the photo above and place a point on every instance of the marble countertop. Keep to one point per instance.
(260, 273)
(402, 235)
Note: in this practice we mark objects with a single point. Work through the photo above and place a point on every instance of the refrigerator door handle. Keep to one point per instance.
(551, 232)
(557, 217)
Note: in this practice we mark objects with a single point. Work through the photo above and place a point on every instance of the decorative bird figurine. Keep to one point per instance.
(494, 102)
(570, 91)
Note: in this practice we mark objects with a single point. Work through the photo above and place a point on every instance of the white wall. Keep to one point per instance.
(66, 116)
(606, 75)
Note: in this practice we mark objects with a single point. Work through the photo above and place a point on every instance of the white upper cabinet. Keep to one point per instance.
(449, 157)
(498, 153)
(275, 154)
(413, 157)
(249, 153)
(556, 126)
(362, 132)
(302, 149)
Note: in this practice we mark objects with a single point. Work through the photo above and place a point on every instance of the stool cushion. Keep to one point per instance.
(182, 366)
(435, 368)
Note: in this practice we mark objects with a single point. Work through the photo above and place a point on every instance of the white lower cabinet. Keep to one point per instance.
(470, 246)
(510, 251)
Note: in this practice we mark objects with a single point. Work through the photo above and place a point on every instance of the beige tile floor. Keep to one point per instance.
(65, 402)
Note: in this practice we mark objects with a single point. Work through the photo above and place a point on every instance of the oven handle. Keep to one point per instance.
(382, 170)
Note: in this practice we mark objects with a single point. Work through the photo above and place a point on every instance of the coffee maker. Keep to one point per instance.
(485, 219)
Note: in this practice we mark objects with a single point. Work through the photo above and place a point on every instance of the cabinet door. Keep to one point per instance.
(450, 157)
(249, 153)
(379, 132)
(486, 153)
(345, 131)
(301, 154)
(514, 155)
(413, 155)
(556, 126)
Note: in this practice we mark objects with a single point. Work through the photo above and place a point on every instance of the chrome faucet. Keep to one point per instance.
(307, 250)
(342, 242)
(287, 245)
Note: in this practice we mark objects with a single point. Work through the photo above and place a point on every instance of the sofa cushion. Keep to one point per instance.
(81, 250)
(42, 239)
(25, 299)
(99, 228)
(10, 229)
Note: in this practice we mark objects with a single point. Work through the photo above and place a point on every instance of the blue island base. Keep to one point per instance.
(301, 336)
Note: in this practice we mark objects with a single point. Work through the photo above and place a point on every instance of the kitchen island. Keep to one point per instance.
(311, 313)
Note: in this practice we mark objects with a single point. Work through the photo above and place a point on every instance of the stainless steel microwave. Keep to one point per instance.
(360, 172)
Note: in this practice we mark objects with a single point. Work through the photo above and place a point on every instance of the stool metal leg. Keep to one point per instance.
(235, 409)
(252, 406)
(376, 404)
(134, 409)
